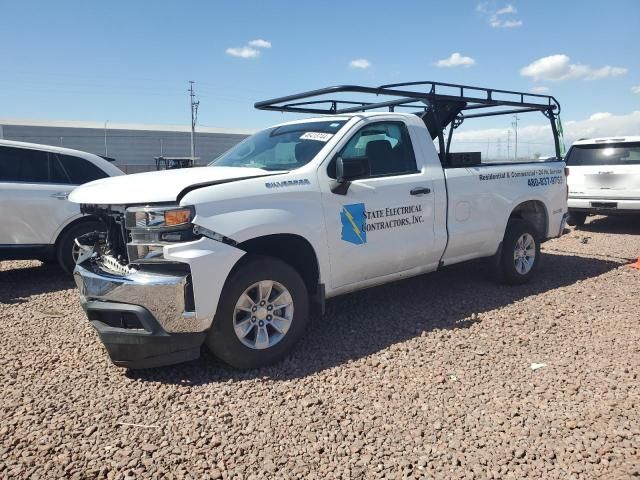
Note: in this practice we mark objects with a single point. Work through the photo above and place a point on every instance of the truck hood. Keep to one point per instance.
(155, 187)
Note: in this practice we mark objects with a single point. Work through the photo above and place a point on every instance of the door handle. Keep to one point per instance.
(420, 190)
(61, 195)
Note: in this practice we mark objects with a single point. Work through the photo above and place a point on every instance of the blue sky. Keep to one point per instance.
(127, 61)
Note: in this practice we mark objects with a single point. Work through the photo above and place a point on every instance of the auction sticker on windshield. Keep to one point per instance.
(318, 136)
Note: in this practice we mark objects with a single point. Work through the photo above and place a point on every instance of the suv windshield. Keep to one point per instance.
(281, 148)
(605, 154)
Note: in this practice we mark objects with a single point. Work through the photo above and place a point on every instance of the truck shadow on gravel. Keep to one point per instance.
(17, 284)
(363, 323)
(615, 224)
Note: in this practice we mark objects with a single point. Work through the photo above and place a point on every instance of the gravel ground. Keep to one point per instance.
(430, 377)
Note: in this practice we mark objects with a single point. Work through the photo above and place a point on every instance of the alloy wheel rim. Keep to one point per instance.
(75, 252)
(263, 314)
(524, 254)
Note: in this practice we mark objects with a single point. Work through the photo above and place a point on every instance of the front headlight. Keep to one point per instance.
(158, 217)
(151, 228)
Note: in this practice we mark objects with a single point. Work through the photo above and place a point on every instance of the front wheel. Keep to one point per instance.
(263, 311)
(520, 253)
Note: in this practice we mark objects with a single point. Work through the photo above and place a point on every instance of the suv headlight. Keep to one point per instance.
(151, 228)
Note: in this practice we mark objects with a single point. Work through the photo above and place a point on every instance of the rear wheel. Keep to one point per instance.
(67, 251)
(576, 219)
(520, 253)
(263, 311)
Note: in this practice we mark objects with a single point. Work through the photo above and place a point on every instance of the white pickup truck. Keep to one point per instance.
(237, 255)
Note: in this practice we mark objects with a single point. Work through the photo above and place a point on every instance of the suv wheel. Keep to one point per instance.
(67, 250)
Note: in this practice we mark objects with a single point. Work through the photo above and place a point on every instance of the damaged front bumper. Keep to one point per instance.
(148, 318)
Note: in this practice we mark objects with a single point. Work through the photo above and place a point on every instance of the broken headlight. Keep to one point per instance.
(150, 228)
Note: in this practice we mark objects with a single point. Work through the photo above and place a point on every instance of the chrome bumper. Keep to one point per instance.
(163, 295)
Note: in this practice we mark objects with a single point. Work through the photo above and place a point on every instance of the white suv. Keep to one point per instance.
(604, 177)
(38, 222)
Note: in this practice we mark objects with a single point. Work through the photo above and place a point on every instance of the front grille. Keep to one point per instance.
(112, 216)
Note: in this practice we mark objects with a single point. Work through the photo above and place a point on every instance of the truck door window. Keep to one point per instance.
(23, 165)
(386, 146)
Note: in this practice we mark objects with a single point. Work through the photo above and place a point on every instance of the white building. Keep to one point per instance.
(133, 146)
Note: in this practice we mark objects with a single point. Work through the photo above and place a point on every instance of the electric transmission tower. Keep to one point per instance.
(194, 118)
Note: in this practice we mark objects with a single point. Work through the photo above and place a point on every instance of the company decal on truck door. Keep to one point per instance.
(535, 178)
(354, 222)
(357, 221)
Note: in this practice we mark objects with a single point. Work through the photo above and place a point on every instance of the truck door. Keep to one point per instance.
(384, 224)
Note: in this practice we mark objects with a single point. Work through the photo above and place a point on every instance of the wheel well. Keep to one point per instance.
(534, 212)
(291, 249)
(77, 221)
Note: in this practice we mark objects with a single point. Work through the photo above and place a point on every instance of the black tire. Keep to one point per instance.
(222, 340)
(576, 219)
(508, 271)
(65, 245)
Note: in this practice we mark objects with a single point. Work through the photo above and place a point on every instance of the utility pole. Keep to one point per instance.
(515, 126)
(508, 145)
(194, 119)
(106, 150)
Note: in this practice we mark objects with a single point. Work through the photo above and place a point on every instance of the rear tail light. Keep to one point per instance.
(566, 171)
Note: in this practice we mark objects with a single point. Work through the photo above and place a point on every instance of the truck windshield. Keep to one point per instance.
(605, 154)
(281, 148)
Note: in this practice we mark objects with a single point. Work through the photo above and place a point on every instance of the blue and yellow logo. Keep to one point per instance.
(353, 223)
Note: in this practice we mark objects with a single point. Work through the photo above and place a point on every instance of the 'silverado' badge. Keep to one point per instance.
(353, 223)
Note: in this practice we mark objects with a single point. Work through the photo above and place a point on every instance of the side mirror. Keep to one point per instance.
(348, 170)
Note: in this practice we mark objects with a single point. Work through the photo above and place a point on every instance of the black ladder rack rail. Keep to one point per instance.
(425, 103)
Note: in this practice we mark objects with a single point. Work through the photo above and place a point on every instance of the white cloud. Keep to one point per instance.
(600, 116)
(243, 52)
(540, 89)
(509, 24)
(497, 22)
(559, 67)
(508, 9)
(361, 63)
(603, 124)
(635, 89)
(250, 50)
(497, 18)
(456, 60)
(260, 43)
(482, 7)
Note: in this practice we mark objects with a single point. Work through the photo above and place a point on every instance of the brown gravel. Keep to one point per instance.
(429, 377)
